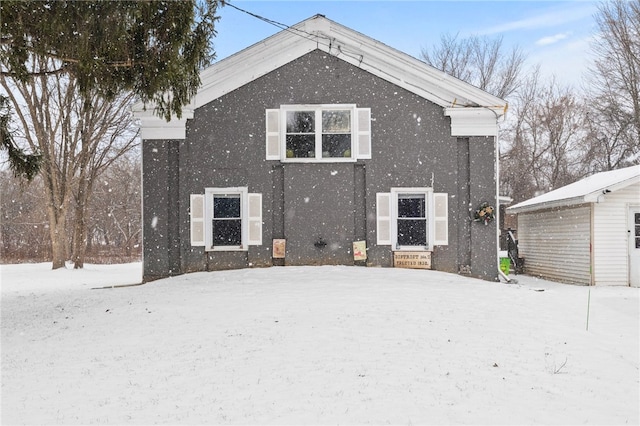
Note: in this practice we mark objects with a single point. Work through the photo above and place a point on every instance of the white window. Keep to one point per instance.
(412, 219)
(226, 219)
(318, 133)
(411, 226)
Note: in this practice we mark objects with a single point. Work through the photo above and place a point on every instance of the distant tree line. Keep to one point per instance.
(556, 134)
(113, 232)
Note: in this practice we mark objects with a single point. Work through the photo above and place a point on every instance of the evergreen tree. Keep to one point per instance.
(22, 164)
(69, 68)
(153, 48)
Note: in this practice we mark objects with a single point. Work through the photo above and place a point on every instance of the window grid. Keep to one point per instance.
(316, 133)
(227, 220)
(411, 220)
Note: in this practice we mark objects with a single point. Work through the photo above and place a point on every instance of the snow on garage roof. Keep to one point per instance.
(586, 190)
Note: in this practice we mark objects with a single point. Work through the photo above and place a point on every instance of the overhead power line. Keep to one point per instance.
(328, 42)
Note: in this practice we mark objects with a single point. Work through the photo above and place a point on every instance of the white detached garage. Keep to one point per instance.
(585, 233)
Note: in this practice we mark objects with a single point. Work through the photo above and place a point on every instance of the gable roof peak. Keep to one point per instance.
(319, 32)
(473, 111)
(316, 24)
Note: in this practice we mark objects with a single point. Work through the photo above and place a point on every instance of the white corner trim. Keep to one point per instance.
(154, 127)
(474, 121)
(176, 131)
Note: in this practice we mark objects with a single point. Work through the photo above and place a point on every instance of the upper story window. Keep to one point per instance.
(318, 133)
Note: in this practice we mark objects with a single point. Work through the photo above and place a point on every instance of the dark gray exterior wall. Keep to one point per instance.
(161, 221)
(412, 146)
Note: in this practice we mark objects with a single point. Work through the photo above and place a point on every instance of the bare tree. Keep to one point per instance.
(614, 86)
(77, 137)
(545, 146)
(23, 221)
(107, 133)
(116, 221)
(480, 61)
(113, 216)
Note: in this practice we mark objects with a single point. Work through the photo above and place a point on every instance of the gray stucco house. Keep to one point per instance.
(319, 137)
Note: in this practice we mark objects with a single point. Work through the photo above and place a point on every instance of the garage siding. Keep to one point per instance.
(556, 244)
(610, 236)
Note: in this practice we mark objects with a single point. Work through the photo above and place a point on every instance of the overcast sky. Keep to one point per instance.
(555, 34)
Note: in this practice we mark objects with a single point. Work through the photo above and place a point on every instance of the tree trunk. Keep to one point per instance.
(80, 223)
(58, 232)
(79, 236)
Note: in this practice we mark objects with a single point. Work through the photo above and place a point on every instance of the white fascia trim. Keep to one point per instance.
(355, 48)
(351, 46)
(249, 65)
(406, 71)
(478, 121)
(596, 196)
(556, 204)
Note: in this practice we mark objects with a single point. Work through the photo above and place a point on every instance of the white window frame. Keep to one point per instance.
(430, 227)
(318, 108)
(209, 194)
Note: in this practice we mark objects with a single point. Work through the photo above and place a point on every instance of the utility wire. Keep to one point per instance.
(280, 25)
(304, 34)
(262, 18)
(357, 56)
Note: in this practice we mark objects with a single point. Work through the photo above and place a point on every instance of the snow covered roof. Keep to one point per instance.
(586, 190)
(473, 111)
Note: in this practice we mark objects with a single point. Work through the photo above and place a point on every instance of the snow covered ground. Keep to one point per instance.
(313, 345)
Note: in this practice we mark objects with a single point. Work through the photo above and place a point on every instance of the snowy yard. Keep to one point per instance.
(314, 345)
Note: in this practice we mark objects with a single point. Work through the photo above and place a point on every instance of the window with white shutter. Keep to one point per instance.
(412, 219)
(383, 218)
(364, 133)
(254, 219)
(318, 133)
(226, 219)
(440, 219)
(273, 134)
(196, 213)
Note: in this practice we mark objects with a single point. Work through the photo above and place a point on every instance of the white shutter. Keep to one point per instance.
(254, 219)
(196, 211)
(440, 219)
(273, 134)
(363, 148)
(383, 218)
